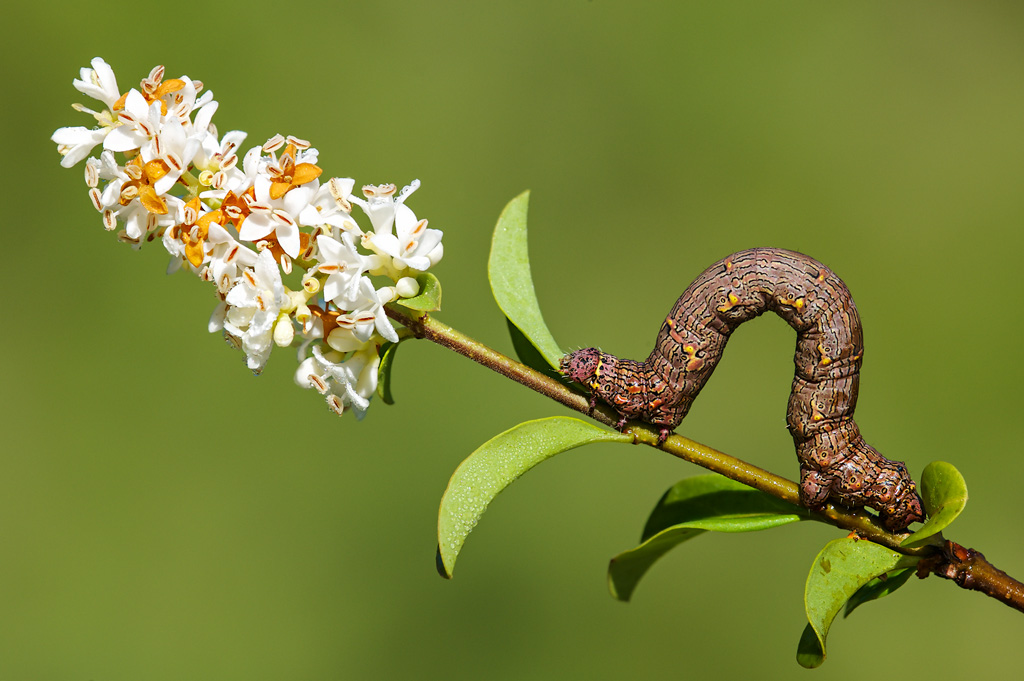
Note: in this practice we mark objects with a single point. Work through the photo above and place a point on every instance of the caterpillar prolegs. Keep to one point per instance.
(835, 461)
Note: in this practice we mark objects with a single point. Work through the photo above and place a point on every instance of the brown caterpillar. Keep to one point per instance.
(835, 461)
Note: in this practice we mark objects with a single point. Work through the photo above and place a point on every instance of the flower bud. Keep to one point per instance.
(407, 287)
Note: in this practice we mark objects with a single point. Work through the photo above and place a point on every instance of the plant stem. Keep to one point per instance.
(968, 568)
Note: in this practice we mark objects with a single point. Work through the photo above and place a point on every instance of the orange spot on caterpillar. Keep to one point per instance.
(730, 303)
(672, 333)
(825, 359)
(797, 304)
(693, 362)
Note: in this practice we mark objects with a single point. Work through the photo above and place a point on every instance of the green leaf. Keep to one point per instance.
(881, 586)
(429, 297)
(838, 572)
(387, 357)
(944, 494)
(495, 465)
(690, 508)
(508, 269)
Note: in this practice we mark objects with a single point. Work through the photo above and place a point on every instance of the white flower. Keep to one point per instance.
(223, 164)
(344, 266)
(108, 168)
(175, 148)
(381, 204)
(140, 122)
(366, 315)
(99, 82)
(138, 218)
(350, 382)
(182, 103)
(217, 165)
(414, 246)
(411, 245)
(278, 216)
(227, 257)
(329, 206)
(77, 142)
(139, 222)
(254, 305)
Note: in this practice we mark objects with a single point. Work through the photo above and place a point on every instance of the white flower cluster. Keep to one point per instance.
(246, 224)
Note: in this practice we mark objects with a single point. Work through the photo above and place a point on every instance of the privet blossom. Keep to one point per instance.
(287, 260)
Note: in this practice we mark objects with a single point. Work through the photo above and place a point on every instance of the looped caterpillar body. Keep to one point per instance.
(835, 461)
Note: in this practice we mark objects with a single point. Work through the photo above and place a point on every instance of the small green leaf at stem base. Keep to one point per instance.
(878, 588)
(495, 465)
(838, 572)
(944, 493)
(508, 269)
(689, 508)
(429, 297)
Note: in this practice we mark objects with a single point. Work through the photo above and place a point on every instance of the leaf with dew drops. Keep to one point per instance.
(495, 465)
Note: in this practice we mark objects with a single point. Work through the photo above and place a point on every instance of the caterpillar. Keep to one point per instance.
(835, 461)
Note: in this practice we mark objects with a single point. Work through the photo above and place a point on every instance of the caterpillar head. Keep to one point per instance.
(904, 505)
(581, 366)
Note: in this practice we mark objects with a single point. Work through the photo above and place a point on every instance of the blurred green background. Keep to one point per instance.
(165, 515)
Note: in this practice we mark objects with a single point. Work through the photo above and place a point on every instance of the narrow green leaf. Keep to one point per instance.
(944, 494)
(495, 465)
(838, 572)
(689, 508)
(508, 269)
(387, 358)
(702, 497)
(529, 355)
(429, 297)
(881, 586)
